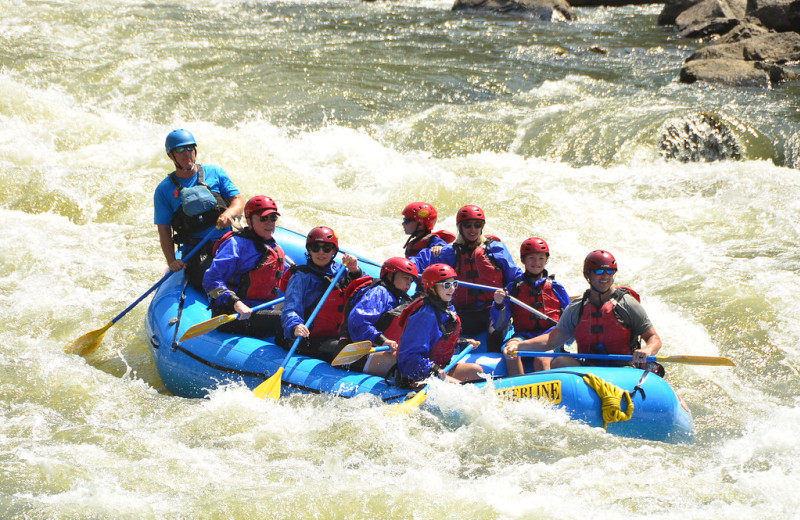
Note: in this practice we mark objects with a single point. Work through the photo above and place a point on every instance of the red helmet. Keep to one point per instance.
(423, 213)
(398, 264)
(598, 259)
(470, 212)
(260, 205)
(322, 234)
(533, 245)
(435, 273)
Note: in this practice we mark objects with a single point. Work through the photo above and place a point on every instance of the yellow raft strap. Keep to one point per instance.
(611, 395)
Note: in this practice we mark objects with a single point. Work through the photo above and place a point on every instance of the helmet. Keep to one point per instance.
(423, 213)
(533, 245)
(322, 234)
(178, 138)
(398, 264)
(470, 212)
(598, 259)
(260, 205)
(435, 273)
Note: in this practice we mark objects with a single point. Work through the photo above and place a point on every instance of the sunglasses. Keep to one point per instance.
(181, 149)
(315, 247)
(470, 225)
(407, 220)
(272, 217)
(449, 285)
(606, 271)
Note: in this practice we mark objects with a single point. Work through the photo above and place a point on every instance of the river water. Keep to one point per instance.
(344, 112)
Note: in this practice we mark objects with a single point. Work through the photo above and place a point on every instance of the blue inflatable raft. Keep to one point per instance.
(194, 367)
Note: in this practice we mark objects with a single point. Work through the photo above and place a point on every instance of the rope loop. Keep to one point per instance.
(611, 397)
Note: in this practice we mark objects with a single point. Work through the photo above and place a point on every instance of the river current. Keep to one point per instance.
(344, 112)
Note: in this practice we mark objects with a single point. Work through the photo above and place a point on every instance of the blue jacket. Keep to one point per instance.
(236, 257)
(421, 333)
(368, 309)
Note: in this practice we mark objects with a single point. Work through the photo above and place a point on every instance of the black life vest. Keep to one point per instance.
(185, 226)
(263, 281)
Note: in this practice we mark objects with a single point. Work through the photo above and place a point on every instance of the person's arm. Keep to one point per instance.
(412, 357)
(651, 347)
(222, 269)
(365, 315)
(235, 208)
(293, 311)
(168, 247)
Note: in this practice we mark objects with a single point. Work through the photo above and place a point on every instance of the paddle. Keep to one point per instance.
(222, 319)
(421, 396)
(513, 300)
(355, 351)
(89, 342)
(272, 387)
(686, 360)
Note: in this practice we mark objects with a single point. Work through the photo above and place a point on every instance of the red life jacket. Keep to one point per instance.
(262, 282)
(600, 330)
(414, 246)
(330, 317)
(541, 298)
(476, 266)
(442, 351)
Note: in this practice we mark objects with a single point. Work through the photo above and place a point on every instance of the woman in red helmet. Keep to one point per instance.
(245, 271)
(418, 221)
(373, 313)
(606, 320)
(477, 258)
(537, 288)
(304, 289)
(431, 331)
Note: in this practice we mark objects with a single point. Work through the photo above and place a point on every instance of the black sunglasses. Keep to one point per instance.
(181, 149)
(272, 217)
(316, 246)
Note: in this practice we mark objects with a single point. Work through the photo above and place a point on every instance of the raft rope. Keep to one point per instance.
(611, 397)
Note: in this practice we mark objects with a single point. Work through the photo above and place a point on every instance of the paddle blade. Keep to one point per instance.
(409, 405)
(207, 326)
(271, 388)
(89, 342)
(697, 360)
(352, 353)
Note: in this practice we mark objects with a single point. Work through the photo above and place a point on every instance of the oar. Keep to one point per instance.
(222, 319)
(686, 360)
(355, 351)
(89, 342)
(272, 387)
(415, 402)
(513, 300)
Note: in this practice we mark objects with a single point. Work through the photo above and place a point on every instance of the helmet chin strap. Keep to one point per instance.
(178, 165)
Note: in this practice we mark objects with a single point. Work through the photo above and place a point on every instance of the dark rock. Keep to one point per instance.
(779, 15)
(547, 10)
(704, 29)
(710, 10)
(725, 71)
(698, 138)
(773, 47)
(672, 8)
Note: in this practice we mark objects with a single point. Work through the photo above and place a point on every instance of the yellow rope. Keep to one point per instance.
(611, 395)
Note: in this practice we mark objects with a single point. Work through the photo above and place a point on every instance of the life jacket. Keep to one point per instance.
(262, 282)
(388, 321)
(476, 266)
(600, 331)
(330, 317)
(541, 298)
(417, 243)
(442, 351)
(200, 208)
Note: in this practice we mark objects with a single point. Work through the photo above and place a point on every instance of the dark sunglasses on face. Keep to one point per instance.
(407, 220)
(449, 285)
(315, 247)
(601, 271)
(272, 217)
(470, 225)
(181, 149)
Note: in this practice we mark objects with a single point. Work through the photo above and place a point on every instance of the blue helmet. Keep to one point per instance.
(178, 138)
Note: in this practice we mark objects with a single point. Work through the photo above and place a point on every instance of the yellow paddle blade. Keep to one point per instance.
(352, 353)
(271, 388)
(207, 326)
(697, 360)
(409, 405)
(89, 342)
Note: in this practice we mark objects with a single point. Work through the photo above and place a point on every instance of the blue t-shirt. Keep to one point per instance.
(167, 200)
